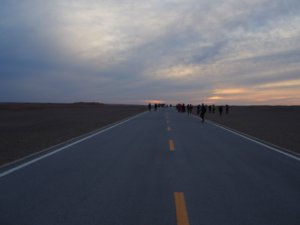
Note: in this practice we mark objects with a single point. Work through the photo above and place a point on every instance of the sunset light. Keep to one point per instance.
(154, 112)
(174, 51)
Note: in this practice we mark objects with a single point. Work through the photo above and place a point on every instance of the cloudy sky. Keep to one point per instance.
(134, 51)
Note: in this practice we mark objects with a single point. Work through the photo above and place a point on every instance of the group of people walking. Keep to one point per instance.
(185, 108)
(202, 109)
(155, 106)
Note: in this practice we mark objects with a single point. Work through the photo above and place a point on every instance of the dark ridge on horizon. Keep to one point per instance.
(28, 105)
(56, 103)
(102, 103)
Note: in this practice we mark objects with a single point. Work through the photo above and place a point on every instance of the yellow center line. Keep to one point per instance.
(171, 145)
(181, 210)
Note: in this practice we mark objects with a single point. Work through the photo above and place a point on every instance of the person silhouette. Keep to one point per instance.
(149, 106)
(209, 108)
(213, 108)
(189, 109)
(221, 110)
(202, 112)
(227, 109)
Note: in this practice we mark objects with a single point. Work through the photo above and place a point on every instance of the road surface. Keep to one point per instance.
(160, 168)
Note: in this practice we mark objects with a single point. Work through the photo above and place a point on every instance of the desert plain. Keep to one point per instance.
(27, 128)
(277, 125)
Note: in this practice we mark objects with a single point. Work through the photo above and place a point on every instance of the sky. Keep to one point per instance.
(238, 52)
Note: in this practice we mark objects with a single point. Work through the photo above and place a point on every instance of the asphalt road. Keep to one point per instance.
(161, 168)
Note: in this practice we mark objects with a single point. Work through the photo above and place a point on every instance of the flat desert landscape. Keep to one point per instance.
(29, 128)
(279, 125)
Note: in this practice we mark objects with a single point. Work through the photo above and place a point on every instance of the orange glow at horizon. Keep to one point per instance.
(257, 96)
(230, 91)
(281, 84)
(215, 98)
(154, 101)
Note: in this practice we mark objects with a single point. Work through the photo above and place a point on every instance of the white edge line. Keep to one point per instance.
(65, 147)
(255, 141)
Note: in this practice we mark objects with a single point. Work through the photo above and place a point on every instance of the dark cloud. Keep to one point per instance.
(134, 51)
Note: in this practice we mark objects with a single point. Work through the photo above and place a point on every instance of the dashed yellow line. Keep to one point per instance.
(181, 210)
(171, 145)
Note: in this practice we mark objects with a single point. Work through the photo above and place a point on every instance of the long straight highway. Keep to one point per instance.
(159, 168)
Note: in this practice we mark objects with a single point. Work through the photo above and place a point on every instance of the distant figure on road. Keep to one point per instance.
(189, 109)
(180, 108)
(149, 106)
(155, 107)
(203, 111)
(198, 109)
(227, 109)
(209, 108)
(221, 110)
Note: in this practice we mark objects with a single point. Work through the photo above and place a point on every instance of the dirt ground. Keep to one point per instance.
(279, 125)
(29, 128)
